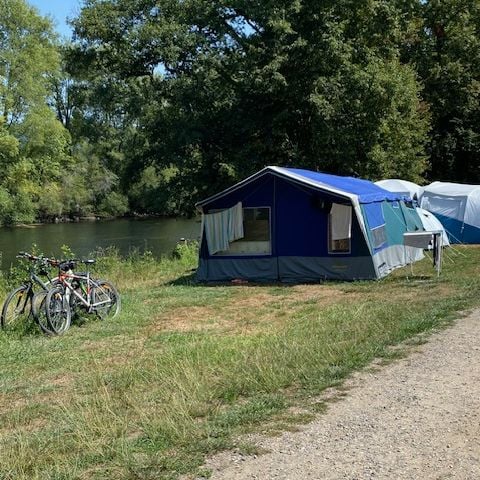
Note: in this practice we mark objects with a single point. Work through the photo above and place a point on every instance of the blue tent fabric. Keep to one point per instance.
(299, 205)
(374, 215)
(366, 191)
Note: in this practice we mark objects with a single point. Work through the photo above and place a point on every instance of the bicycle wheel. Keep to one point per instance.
(17, 308)
(58, 311)
(106, 299)
(39, 311)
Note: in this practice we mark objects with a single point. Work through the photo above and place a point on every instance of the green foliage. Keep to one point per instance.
(113, 204)
(33, 144)
(371, 124)
(446, 57)
(7, 207)
(67, 252)
(186, 251)
(42, 179)
(316, 85)
(9, 145)
(157, 104)
(27, 55)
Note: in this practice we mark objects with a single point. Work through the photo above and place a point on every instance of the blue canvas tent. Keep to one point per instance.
(293, 225)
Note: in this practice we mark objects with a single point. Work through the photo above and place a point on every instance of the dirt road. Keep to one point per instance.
(417, 418)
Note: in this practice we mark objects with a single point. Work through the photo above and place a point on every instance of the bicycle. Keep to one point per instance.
(23, 301)
(79, 291)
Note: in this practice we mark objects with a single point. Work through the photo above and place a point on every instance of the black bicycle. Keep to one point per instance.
(28, 299)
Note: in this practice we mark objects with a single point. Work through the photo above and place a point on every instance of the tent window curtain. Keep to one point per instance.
(340, 228)
(256, 238)
(223, 227)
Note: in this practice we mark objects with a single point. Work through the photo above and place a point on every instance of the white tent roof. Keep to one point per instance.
(403, 187)
(454, 200)
(448, 189)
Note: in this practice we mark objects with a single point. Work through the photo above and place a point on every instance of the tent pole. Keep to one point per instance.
(274, 227)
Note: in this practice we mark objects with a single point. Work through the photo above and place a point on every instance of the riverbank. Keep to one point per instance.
(186, 368)
(94, 218)
(68, 220)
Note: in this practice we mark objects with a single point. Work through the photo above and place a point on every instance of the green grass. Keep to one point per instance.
(186, 368)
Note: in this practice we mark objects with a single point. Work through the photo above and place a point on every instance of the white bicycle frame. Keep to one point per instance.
(66, 279)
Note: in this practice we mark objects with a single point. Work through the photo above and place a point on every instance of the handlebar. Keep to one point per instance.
(62, 264)
(34, 258)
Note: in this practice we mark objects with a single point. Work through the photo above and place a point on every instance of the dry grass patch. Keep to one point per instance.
(11, 401)
(250, 310)
(31, 426)
(27, 413)
(62, 381)
(60, 386)
(325, 295)
(182, 319)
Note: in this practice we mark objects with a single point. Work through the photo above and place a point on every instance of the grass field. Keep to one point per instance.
(186, 368)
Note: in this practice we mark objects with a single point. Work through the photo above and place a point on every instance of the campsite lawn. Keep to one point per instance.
(186, 368)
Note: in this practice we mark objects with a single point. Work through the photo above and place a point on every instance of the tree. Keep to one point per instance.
(34, 146)
(446, 57)
(27, 55)
(231, 87)
(9, 145)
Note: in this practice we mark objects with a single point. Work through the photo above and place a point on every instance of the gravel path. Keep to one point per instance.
(418, 418)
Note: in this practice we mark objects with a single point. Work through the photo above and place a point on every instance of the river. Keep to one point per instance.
(156, 235)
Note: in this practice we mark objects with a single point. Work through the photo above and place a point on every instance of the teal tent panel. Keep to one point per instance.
(394, 222)
(412, 219)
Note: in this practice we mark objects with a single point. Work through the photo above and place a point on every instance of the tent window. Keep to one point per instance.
(340, 228)
(446, 206)
(379, 236)
(256, 230)
(256, 224)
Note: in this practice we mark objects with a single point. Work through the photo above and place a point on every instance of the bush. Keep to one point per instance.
(186, 251)
(113, 204)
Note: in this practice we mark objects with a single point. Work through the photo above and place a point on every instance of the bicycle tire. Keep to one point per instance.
(105, 291)
(58, 311)
(39, 311)
(17, 308)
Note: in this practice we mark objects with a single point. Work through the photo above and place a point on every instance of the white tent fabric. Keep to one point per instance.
(431, 224)
(341, 221)
(403, 187)
(453, 200)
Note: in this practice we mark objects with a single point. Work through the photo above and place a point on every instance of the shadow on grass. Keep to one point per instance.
(29, 329)
(190, 279)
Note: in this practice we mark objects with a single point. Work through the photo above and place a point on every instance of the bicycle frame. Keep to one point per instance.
(33, 279)
(32, 276)
(66, 279)
(38, 280)
(29, 284)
